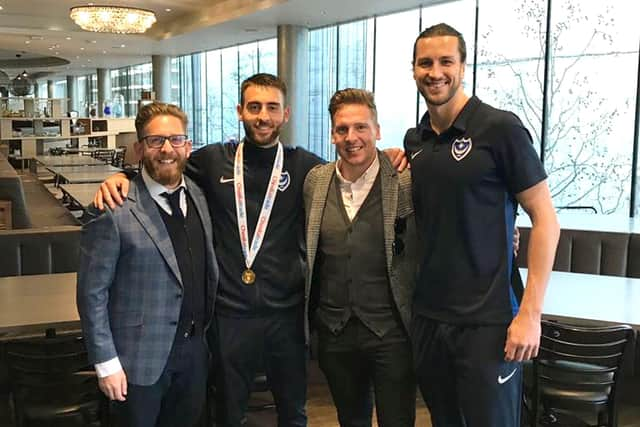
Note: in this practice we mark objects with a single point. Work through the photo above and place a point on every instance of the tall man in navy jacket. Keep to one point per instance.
(147, 283)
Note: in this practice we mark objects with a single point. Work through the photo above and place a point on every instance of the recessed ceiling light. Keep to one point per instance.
(88, 60)
(50, 47)
(27, 41)
(93, 41)
(36, 38)
(104, 51)
(57, 53)
(68, 38)
(81, 48)
(167, 10)
(1, 7)
(123, 46)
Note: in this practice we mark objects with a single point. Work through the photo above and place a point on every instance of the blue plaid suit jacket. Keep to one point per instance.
(128, 282)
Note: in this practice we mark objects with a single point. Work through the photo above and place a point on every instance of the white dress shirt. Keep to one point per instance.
(355, 193)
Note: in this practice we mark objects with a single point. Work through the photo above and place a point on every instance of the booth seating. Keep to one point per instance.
(40, 250)
(11, 190)
(595, 244)
(592, 252)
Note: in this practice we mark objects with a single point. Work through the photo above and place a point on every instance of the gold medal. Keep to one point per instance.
(248, 277)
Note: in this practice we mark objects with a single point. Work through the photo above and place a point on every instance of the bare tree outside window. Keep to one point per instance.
(589, 135)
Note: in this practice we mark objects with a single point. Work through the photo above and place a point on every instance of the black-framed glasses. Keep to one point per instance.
(399, 228)
(157, 141)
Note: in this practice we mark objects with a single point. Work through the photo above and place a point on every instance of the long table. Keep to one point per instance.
(80, 195)
(31, 304)
(591, 299)
(58, 161)
(85, 176)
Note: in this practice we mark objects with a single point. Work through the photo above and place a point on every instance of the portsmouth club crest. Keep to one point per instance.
(284, 182)
(460, 148)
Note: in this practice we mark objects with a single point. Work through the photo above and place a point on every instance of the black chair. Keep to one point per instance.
(52, 383)
(118, 157)
(105, 155)
(577, 370)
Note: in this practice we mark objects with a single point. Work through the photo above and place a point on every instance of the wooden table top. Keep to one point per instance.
(60, 170)
(85, 176)
(81, 193)
(31, 304)
(68, 160)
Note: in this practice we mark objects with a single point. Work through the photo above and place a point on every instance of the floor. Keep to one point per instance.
(321, 412)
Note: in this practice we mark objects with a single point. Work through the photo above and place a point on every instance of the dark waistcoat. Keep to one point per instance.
(350, 272)
(187, 237)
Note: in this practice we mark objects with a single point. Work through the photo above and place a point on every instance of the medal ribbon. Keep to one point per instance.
(250, 250)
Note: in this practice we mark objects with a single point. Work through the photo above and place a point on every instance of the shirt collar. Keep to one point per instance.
(271, 145)
(155, 188)
(461, 121)
(368, 176)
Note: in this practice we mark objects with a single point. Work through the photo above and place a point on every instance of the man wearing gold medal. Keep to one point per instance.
(254, 192)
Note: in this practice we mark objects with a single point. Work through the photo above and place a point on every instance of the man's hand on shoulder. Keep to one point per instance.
(114, 386)
(112, 191)
(397, 157)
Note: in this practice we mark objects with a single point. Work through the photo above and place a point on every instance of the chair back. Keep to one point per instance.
(578, 366)
(105, 155)
(118, 158)
(51, 378)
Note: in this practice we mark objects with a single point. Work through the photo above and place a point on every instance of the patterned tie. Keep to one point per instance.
(174, 202)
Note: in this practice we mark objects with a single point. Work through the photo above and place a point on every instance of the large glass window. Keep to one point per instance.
(394, 88)
(214, 97)
(268, 56)
(230, 99)
(322, 84)
(511, 51)
(593, 75)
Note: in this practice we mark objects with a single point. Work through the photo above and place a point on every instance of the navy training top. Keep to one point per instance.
(279, 264)
(464, 186)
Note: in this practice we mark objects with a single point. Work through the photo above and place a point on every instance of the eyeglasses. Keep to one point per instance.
(157, 141)
(399, 228)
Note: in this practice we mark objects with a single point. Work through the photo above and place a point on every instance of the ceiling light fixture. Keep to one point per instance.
(113, 19)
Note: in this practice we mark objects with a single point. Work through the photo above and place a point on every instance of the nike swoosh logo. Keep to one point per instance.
(224, 180)
(413, 155)
(507, 378)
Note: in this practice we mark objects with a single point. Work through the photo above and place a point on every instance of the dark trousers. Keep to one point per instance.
(177, 398)
(274, 343)
(357, 362)
(463, 376)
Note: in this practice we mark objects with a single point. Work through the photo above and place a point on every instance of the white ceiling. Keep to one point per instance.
(40, 28)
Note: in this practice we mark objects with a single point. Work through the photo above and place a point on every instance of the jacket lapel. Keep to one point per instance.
(389, 184)
(145, 210)
(319, 200)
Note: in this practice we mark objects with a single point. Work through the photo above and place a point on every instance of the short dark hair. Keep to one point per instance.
(440, 30)
(151, 111)
(264, 80)
(352, 96)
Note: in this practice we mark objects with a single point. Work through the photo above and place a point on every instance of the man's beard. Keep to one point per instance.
(251, 136)
(438, 102)
(165, 177)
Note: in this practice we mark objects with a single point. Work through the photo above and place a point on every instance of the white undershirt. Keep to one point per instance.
(355, 193)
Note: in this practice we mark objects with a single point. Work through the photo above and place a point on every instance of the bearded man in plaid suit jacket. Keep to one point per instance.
(147, 283)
